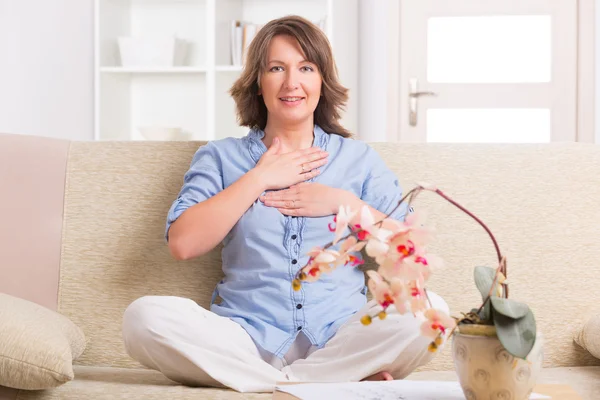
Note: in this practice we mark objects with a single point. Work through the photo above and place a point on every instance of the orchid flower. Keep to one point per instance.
(348, 247)
(320, 261)
(375, 236)
(416, 267)
(410, 235)
(386, 294)
(418, 302)
(341, 220)
(436, 323)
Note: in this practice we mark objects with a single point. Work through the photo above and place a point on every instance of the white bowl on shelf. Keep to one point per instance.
(152, 51)
(162, 133)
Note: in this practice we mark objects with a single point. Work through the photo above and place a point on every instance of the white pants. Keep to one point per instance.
(196, 347)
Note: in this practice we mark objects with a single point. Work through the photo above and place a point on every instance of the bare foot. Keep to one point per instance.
(380, 376)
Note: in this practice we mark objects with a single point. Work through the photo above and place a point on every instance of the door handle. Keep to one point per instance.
(419, 94)
(413, 97)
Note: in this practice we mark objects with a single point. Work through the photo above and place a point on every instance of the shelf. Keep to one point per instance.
(153, 70)
(142, 100)
(228, 68)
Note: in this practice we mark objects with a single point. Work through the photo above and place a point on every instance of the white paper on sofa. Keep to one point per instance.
(382, 390)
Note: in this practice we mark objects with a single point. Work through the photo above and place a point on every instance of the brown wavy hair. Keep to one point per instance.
(250, 107)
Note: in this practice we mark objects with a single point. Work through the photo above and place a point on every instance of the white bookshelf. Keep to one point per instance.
(194, 96)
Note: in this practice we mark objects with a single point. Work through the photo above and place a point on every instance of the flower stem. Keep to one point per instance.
(484, 226)
(501, 260)
(415, 191)
(505, 291)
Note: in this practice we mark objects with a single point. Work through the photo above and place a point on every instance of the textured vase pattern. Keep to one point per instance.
(488, 372)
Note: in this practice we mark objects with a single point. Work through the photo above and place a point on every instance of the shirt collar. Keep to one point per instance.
(257, 147)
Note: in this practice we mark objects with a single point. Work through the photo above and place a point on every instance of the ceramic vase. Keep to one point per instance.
(487, 371)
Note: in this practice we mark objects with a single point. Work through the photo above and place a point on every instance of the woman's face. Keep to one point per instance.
(290, 86)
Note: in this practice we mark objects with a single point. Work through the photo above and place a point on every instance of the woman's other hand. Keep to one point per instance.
(278, 170)
(307, 199)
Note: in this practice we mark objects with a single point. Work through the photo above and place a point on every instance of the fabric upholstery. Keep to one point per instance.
(114, 250)
(32, 176)
(101, 383)
(37, 345)
(588, 335)
(539, 200)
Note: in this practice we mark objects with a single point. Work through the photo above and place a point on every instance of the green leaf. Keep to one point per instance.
(516, 335)
(509, 308)
(484, 277)
(485, 314)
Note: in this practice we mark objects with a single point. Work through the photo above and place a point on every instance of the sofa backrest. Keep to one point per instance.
(541, 202)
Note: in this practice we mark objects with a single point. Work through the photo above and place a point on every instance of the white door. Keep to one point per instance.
(502, 71)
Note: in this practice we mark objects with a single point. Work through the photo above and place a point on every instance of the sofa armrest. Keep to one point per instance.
(32, 182)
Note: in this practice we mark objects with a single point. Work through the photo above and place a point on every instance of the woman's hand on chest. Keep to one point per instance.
(308, 199)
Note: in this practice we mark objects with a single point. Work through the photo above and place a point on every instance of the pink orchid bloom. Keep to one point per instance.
(341, 220)
(401, 246)
(422, 265)
(348, 247)
(401, 269)
(416, 267)
(436, 323)
(410, 235)
(386, 294)
(418, 301)
(375, 236)
(320, 261)
(401, 293)
(427, 263)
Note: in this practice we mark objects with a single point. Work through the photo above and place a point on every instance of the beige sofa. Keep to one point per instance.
(82, 233)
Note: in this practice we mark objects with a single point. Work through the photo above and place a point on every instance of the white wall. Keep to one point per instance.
(46, 68)
(373, 71)
(597, 77)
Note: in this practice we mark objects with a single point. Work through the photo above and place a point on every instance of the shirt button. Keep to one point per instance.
(294, 237)
(294, 261)
(299, 328)
(298, 306)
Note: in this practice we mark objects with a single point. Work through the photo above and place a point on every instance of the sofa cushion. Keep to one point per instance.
(106, 383)
(588, 336)
(37, 345)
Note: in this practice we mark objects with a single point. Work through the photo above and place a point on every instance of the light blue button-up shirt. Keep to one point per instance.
(265, 249)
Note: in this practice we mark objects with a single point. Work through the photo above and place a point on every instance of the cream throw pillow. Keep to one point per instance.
(588, 336)
(37, 345)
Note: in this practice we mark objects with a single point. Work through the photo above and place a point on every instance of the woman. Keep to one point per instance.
(269, 197)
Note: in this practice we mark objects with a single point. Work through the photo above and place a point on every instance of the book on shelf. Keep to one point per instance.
(242, 34)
